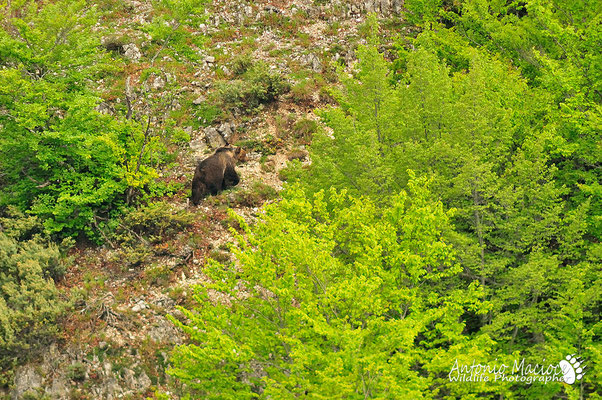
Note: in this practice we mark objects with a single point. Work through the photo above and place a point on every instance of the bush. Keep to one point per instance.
(254, 196)
(29, 301)
(304, 129)
(241, 64)
(327, 291)
(257, 85)
(153, 222)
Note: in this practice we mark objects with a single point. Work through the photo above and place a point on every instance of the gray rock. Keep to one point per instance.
(26, 379)
(198, 100)
(213, 138)
(132, 52)
(141, 305)
(227, 130)
(158, 83)
(209, 59)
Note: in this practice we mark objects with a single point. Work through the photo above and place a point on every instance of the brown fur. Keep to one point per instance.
(216, 172)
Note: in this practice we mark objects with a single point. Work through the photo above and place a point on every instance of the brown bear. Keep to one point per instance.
(216, 172)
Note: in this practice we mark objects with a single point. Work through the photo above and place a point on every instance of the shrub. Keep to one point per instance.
(29, 301)
(153, 222)
(257, 85)
(304, 129)
(242, 64)
(254, 196)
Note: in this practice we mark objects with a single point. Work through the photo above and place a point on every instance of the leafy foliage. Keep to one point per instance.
(256, 85)
(29, 302)
(350, 321)
(492, 144)
(62, 160)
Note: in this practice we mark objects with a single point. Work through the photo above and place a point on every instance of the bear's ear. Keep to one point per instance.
(238, 150)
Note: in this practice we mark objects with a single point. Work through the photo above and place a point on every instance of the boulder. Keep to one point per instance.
(26, 380)
(132, 52)
(213, 138)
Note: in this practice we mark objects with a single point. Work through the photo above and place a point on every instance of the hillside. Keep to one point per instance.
(467, 142)
(116, 340)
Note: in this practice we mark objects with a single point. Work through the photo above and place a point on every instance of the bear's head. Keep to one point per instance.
(240, 154)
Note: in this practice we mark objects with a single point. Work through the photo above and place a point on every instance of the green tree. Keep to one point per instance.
(491, 142)
(62, 160)
(374, 312)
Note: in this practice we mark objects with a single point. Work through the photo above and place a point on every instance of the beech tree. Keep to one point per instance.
(334, 297)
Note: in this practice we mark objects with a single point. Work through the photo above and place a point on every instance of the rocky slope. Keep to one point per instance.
(116, 339)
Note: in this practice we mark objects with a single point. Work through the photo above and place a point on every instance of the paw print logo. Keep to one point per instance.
(572, 369)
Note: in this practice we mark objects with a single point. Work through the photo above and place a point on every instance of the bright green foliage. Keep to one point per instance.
(556, 45)
(495, 148)
(171, 26)
(61, 160)
(29, 301)
(333, 297)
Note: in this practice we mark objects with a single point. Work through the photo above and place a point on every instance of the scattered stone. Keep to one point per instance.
(132, 52)
(213, 138)
(199, 100)
(26, 379)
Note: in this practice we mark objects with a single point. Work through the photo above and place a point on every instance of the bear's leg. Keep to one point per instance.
(214, 188)
(198, 191)
(231, 178)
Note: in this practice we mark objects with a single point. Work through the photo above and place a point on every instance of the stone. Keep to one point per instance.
(227, 131)
(26, 379)
(213, 138)
(209, 59)
(158, 83)
(132, 52)
(141, 305)
(199, 100)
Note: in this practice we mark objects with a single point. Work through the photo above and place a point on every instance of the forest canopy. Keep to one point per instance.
(500, 107)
